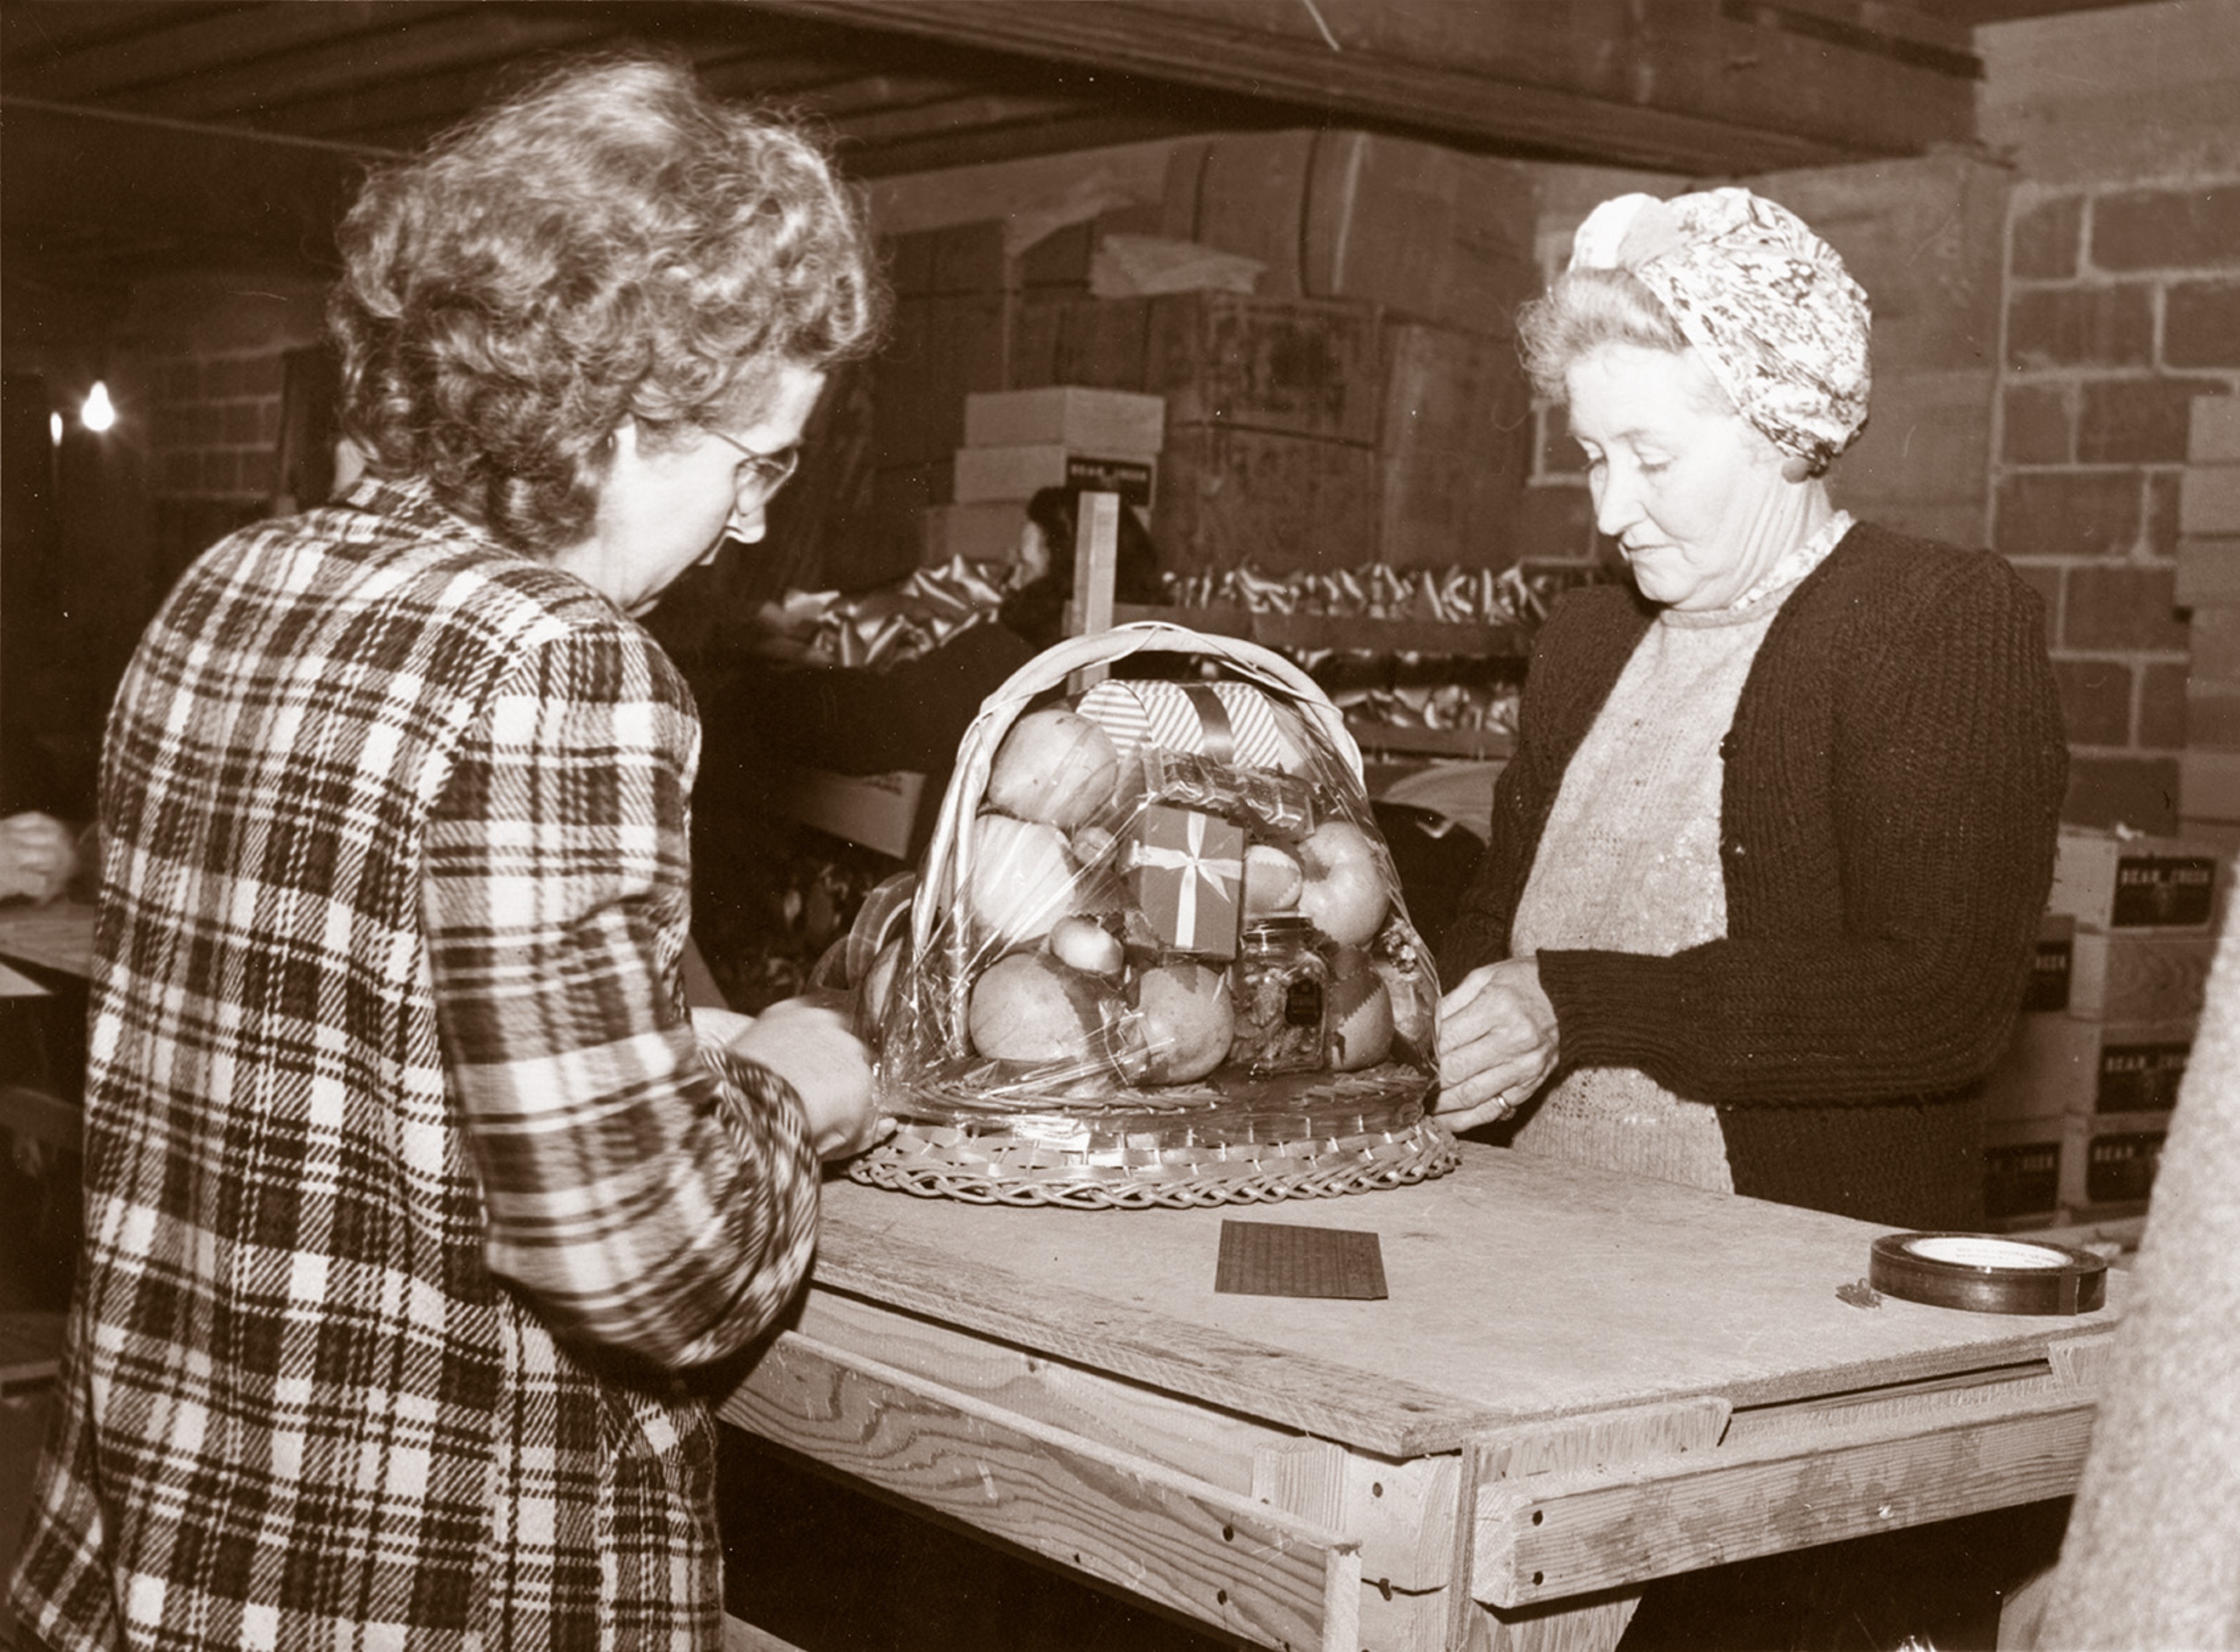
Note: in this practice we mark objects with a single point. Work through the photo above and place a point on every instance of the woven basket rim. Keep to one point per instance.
(941, 1162)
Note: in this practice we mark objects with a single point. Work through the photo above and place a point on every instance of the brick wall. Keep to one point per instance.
(2209, 590)
(213, 426)
(200, 362)
(2122, 306)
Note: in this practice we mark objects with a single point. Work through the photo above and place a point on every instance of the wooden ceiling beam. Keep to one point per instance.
(68, 175)
(170, 49)
(1682, 85)
(941, 152)
(314, 71)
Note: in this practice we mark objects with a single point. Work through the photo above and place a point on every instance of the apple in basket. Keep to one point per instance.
(1186, 1020)
(1272, 880)
(1054, 766)
(1343, 893)
(1082, 942)
(1030, 1007)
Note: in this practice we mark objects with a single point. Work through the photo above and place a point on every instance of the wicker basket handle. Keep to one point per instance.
(975, 753)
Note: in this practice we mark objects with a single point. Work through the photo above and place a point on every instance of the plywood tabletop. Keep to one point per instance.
(1521, 1289)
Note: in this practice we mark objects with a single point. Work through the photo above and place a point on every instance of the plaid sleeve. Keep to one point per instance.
(643, 1195)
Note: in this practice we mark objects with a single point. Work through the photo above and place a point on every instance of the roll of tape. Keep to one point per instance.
(1985, 1273)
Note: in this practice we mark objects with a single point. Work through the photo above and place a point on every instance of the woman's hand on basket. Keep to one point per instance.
(1497, 1043)
(811, 1046)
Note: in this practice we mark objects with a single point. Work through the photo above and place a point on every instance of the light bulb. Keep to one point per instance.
(98, 413)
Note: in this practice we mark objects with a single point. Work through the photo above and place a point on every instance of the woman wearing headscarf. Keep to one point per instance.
(1767, 864)
(414, 1195)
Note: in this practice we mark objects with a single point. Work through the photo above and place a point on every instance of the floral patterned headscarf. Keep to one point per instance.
(1779, 320)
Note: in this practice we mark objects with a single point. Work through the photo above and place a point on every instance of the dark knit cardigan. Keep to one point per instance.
(1893, 785)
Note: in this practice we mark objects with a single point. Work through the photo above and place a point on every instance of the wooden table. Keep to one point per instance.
(1580, 1382)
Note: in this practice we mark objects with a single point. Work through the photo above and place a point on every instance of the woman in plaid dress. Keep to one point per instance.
(414, 1199)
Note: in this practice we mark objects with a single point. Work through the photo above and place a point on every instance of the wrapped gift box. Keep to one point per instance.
(1186, 871)
(1229, 722)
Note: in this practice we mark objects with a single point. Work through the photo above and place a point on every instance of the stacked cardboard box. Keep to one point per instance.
(1018, 441)
(2075, 1114)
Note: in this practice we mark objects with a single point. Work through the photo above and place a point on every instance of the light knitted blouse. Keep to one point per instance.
(1629, 861)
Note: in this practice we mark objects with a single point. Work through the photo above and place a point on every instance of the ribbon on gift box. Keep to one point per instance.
(1230, 722)
(1187, 870)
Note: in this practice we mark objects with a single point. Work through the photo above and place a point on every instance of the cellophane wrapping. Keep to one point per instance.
(1092, 960)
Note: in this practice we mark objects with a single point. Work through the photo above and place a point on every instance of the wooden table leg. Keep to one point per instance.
(1593, 1623)
(2021, 1608)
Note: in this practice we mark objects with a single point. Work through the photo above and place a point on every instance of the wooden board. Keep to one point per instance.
(1244, 1565)
(57, 936)
(1522, 1290)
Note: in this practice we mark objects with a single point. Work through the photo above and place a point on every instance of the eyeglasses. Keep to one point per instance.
(770, 471)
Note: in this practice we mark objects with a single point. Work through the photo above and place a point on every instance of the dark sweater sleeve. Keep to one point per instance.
(1880, 952)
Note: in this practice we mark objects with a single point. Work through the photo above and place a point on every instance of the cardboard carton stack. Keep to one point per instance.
(1362, 403)
(2075, 1114)
(1019, 442)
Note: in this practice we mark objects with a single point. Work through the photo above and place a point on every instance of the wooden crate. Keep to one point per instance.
(943, 347)
(1424, 229)
(1292, 367)
(1454, 441)
(1229, 497)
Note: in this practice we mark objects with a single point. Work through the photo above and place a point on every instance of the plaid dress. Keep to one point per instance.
(405, 1175)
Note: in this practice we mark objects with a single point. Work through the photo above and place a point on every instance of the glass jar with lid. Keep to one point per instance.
(1283, 989)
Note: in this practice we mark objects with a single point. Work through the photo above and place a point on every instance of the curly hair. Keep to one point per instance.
(1585, 309)
(612, 243)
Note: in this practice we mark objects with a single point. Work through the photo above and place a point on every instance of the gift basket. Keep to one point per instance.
(1157, 953)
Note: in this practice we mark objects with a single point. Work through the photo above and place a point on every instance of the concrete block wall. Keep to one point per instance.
(2122, 312)
(2122, 317)
(2209, 593)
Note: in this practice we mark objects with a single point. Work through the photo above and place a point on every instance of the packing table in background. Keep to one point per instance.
(1580, 1382)
(58, 936)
